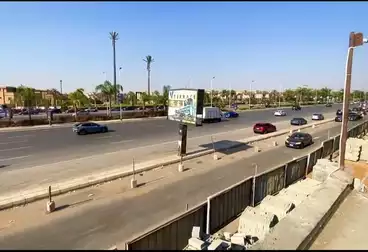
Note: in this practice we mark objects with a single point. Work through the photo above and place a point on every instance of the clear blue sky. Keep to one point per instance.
(273, 43)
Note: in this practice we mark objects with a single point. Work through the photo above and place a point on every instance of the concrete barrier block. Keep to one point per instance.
(323, 169)
(50, 206)
(342, 176)
(181, 167)
(256, 223)
(239, 239)
(218, 245)
(133, 183)
(196, 232)
(276, 205)
(196, 243)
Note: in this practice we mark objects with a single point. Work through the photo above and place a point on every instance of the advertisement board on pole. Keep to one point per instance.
(186, 105)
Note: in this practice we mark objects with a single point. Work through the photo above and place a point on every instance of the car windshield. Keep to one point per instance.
(297, 136)
(260, 124)
(316, 114)
(297, 119)
(77, 124)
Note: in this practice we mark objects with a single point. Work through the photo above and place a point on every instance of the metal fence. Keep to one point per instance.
(268, 183)
(226, 205)
(174, 234)
(328, 146)
(296, 170)
(336, 144)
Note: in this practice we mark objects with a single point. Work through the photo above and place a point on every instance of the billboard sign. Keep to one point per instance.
(186, 105)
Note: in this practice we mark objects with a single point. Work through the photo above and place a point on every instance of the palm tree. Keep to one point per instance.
(114, 36)
(149, 60)
(27, 96)
(131, 98)
(77, 98)
(145, 98)
(108, 90)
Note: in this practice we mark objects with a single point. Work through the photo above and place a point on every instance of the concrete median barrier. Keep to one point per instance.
(98, 178)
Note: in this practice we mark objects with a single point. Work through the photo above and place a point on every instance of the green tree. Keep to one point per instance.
(289, 95)
(131, 98)
(78, 99)
(27, 97)
(108, 90)
(149, 60)
(145, 98)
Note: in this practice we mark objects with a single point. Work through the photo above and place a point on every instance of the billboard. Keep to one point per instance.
(186, 105)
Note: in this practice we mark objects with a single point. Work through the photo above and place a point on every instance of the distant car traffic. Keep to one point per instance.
(354, 116)
(299, 140)
(264, 128)
(280, 113)
(296, 107)
(81, 113)
(230, 114)
(91, 110)
(298, 121)
(338, 118)
(317, 116)
(88, 128)
(328, 105)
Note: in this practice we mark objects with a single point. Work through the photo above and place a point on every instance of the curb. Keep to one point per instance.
(90, 180)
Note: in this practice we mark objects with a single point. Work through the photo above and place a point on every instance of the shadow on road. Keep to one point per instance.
(233, 147)
(3, 166)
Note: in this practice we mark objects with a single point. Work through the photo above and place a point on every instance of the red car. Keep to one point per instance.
(264, 128)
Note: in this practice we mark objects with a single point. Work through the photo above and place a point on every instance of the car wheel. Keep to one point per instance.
(82, 132)
(302, 146)
(265, 132)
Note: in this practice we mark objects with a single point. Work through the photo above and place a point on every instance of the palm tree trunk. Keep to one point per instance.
(114, 58)
(75, 113)
(110, 101)
(149, 82)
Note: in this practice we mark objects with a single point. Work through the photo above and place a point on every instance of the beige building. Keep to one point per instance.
(7, 95)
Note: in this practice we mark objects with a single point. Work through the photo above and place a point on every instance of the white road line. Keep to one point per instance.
(13, 158)
(123, 141)
(104, 137)
(20, 148)
(24, 141)
(316, 137)
(20, 136)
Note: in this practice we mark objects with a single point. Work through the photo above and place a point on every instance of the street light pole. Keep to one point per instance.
(355, 39)
(229, 96)
(212, 89)
(280, 96)
(250, 94)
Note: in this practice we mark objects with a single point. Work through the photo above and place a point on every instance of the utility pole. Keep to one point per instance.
(212, 89)
(61, 86)
(355, 39)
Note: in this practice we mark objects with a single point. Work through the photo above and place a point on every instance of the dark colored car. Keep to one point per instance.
(88, 128)
(296, 107)
(298, 121)
(338, 118)
(230, 114)
(338, 112)
(264, 128)
(56, 111)
(354, 116)
(299, 140)
(328, 105)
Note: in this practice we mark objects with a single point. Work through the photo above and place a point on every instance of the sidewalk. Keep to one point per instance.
(347, 229)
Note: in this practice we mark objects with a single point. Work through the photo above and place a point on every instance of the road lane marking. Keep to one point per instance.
(104, 137)
(20, 136)
(19, 148)
(23, 141)
(123, 141)
(13, 158)
(316, 138)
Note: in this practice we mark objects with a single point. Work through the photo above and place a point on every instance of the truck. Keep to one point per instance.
(211, 114)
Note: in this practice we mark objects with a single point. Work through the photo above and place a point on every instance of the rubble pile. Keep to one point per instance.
(255, 222)
(353, 149)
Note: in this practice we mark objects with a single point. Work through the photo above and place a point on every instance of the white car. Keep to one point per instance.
(81, 113)
(317, 116)
(280, 113)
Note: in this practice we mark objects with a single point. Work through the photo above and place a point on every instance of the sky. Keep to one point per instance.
(279, 45)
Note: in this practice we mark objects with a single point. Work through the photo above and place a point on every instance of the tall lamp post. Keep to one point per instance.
(250, 93)
(212, 89)
(355, 39)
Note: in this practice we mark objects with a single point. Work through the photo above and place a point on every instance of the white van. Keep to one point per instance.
(212, 114)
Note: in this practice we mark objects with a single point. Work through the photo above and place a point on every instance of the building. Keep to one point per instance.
(7, 96)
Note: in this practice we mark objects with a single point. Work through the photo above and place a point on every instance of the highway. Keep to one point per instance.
(45, 146)
(111, 220)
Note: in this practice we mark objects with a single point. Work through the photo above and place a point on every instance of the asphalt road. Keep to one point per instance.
(111, 221)
(44, 144)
